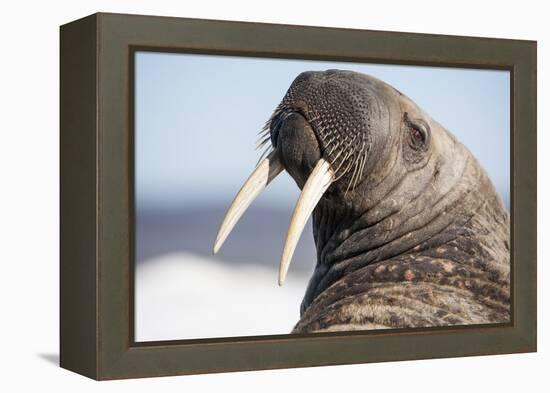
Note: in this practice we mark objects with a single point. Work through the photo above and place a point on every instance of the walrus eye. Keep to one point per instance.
(417, 135)
(418, 132)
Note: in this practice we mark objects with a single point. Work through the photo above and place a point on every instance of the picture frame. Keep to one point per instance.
(97, 200)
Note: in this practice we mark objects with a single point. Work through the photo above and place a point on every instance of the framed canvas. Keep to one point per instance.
(413, 154)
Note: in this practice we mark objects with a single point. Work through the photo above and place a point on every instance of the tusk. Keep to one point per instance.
(264, 173)
(320, 179)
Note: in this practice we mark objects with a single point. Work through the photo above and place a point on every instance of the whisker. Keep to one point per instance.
(264, 154)
(365, 156)
(354, 173)
(348, 154)
(261, 143)
(348, 147)
(360, 158)
(346, 170)
(356, 165)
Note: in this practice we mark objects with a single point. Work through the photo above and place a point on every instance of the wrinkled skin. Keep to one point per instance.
(412, 233)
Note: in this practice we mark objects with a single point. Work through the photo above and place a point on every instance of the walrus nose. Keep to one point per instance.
(298, 147)
(275, 127)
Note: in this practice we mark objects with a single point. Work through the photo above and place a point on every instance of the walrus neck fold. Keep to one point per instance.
(348, 239)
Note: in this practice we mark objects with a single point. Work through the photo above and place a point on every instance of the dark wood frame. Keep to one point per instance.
(97, 196)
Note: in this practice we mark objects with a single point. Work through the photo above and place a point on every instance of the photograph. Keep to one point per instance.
(213, 196)
(285, 196)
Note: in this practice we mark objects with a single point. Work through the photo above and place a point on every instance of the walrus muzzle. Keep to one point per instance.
(318, 136)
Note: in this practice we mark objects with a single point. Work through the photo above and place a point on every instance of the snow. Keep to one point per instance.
(183, 296)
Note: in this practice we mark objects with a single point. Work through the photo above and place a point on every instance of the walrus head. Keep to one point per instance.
(371, 166)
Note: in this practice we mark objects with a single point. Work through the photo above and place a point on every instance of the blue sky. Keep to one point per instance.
(197, 119)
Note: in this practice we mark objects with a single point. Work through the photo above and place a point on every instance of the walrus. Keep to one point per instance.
(409, 230)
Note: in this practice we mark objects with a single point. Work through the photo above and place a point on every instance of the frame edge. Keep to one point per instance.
(116, 356)
(78, 197)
